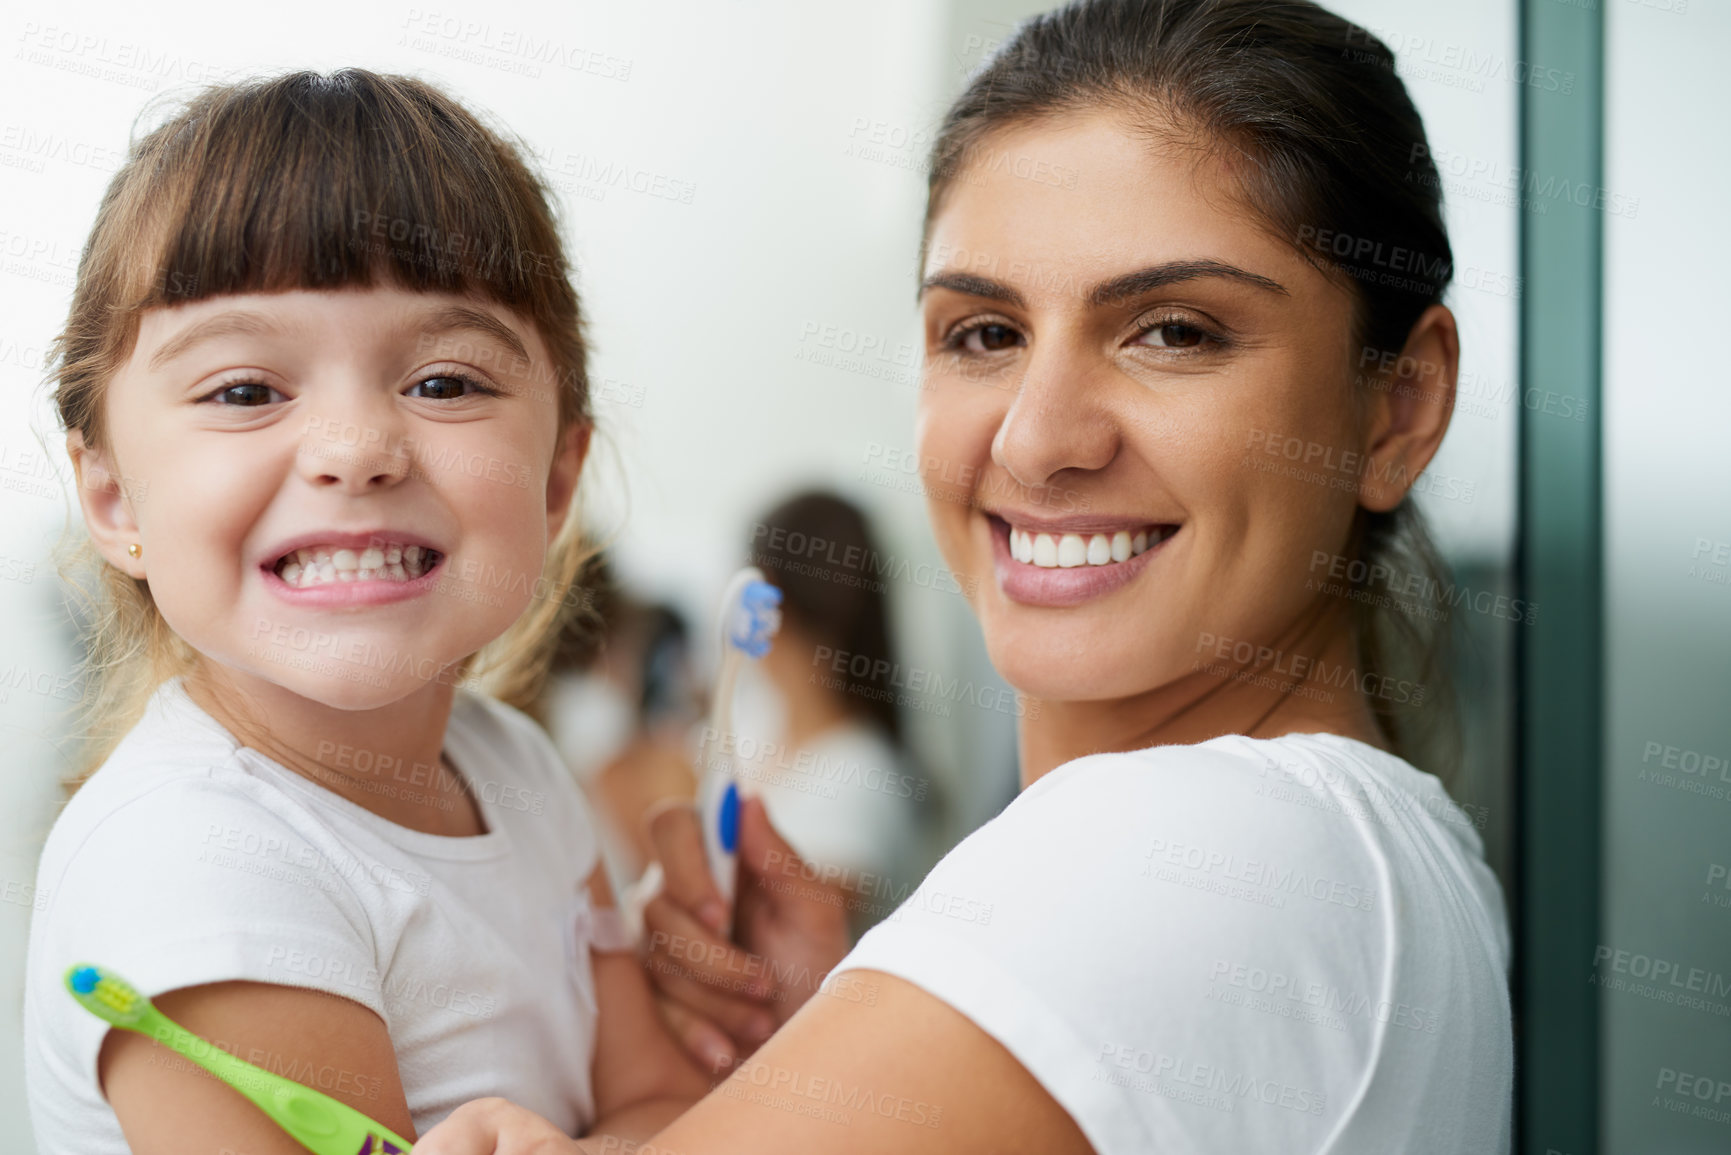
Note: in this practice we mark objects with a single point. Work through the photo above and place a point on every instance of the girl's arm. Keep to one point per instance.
(903, 1073)
(169, 1106)
(642, 1078)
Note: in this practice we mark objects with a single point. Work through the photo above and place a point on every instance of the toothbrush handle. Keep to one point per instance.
(720, 798)
(721, 833)
(315, 1120)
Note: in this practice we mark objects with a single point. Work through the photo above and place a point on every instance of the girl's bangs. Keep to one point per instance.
(311, 184)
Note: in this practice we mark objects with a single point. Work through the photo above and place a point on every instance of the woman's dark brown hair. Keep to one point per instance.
(1331, 156)
(308, 181)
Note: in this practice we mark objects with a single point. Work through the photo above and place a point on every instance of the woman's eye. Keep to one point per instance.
(989, 338)
(245, 394)
(1173, 335)
(446, 387)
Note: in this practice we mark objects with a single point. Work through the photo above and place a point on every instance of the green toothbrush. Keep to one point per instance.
(315, 1120)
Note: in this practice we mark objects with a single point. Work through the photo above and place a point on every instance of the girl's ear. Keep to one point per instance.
(568, 457)
(106, 500)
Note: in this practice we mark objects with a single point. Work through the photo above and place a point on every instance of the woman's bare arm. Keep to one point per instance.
(875, 1064)
(894, 1071)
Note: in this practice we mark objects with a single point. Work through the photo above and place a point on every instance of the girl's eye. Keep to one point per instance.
(246, 394)
(990, 337)
(448, 387)
(1173, 335)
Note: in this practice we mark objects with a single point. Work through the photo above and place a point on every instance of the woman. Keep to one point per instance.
(1181, 294)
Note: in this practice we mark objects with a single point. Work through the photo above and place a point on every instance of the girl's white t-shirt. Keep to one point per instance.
(188, 858)
(1289, 944)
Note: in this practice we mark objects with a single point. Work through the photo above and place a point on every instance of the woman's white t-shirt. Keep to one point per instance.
(188, 858)
(1288, 944)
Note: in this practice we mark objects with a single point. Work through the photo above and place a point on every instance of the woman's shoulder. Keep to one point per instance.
(1143, 927)
(1154, 770)
(1323, 788)
(1300, 837)
(1119, 814)
(1181, 765)
(1100, 927)
(1098, 800)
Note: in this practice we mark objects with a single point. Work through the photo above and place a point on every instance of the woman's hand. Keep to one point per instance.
(723, 1000)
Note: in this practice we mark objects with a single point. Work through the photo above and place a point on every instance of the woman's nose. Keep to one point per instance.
(1058, 418)
(358, 450)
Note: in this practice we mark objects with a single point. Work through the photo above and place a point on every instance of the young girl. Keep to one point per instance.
(324, 391)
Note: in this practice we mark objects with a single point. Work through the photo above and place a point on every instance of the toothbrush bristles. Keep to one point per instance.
(757, 619)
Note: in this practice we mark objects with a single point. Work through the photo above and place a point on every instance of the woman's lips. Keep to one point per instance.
(1035, 585)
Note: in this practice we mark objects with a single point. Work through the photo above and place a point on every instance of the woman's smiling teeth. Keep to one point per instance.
(324, 565)
(1069, 550)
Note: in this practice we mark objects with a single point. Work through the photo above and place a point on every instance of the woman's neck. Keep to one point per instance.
(388, 760)
(1261, 701)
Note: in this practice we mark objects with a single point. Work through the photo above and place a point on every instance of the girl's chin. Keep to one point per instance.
(353, 686)
(356, 690)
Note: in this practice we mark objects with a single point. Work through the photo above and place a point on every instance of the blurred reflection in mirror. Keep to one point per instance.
(620, 703)
(819, 736)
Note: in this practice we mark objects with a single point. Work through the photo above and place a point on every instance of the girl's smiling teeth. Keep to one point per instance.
(1069, 550)
(316, 565)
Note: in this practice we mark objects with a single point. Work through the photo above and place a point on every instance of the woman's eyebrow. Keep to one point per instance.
(1172, 272)
(1111, 291)
(235, 322)
(973, 286)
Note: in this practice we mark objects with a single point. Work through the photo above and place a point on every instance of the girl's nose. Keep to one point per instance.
(1058, 419)
(358, 456)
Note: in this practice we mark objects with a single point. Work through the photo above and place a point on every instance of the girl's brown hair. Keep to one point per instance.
(1329, 149)
(307, 181)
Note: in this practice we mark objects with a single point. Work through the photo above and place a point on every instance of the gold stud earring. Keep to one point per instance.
(135, 549)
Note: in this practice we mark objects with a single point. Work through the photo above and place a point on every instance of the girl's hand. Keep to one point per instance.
(497, 1127)
(721, 999)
